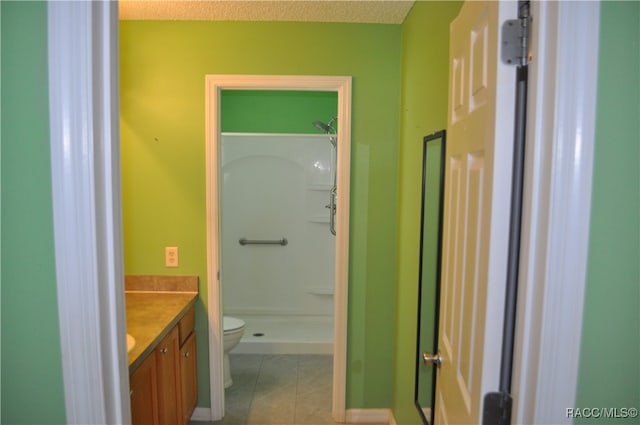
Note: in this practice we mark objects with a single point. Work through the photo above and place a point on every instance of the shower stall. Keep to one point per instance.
(277, 250)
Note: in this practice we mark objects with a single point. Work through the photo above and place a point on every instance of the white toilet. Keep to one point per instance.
(233, 331)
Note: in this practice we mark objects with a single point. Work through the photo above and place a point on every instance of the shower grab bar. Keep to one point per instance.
(245, 241)
(332, 210)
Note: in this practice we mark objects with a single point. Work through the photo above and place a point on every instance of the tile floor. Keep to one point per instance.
(278, 389)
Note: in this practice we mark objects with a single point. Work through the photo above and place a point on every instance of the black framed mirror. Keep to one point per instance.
(433, 164)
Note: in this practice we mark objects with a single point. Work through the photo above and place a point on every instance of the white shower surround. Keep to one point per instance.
(276, 186)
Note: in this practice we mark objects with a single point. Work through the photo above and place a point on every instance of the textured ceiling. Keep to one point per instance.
(362, 11)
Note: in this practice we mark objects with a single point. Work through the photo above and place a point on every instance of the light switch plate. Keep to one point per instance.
(171, 256)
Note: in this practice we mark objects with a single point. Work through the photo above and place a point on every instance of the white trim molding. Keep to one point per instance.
(557, 203)
(342, 85)
(84, 131)
(368, 416)
(201, 414)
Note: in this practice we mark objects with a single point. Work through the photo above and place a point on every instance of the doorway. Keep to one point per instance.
(540, 322)
(215, 84)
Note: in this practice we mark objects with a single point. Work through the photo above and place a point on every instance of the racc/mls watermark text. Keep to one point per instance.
(602, 412)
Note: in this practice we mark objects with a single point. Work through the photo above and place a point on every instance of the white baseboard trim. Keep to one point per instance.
(363, 416)
(201, 414)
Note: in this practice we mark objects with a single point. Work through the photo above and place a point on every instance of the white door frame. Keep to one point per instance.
(556, 209)
(214, 85)
(85, 175)
(557, 188)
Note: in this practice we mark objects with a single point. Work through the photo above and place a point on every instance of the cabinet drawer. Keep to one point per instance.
(186, 325)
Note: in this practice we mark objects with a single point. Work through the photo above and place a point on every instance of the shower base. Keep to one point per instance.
(290, 334)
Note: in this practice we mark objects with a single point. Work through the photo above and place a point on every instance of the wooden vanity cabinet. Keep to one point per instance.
(164, 388)
(143, 394)
(189, 375)
(169, 380)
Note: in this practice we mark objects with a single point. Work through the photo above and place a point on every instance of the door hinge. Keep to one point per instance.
(515, 42)
(496, 408)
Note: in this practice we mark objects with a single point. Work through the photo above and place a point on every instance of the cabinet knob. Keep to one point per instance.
(187, 354)
(131, 393)
(164, 350)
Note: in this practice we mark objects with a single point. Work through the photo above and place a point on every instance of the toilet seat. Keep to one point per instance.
(231, 324)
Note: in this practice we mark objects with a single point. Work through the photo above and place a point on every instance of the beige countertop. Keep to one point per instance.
(150, 317)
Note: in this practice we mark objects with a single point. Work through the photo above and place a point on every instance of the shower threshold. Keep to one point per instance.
(286, 335)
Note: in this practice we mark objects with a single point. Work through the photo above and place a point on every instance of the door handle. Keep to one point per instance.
(429, 358)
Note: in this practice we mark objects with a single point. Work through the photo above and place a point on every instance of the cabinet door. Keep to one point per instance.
(189, 377)
(168, 367)
(144, 399)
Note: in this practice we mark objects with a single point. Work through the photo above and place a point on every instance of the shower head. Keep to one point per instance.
(327, 128)
(324, 127)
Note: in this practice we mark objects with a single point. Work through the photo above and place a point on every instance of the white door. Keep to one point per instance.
(476, 212)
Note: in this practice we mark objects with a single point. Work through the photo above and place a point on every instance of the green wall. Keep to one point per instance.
(163, 66)
(425, 53)
(276, 111)
(609, 374)
(32, 388)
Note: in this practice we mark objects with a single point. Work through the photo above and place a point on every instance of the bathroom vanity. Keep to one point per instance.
(162, 363)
